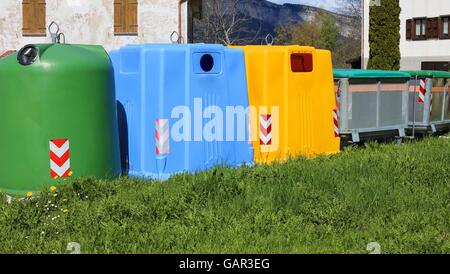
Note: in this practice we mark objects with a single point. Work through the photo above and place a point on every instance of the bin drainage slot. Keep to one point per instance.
(301, 62)
(207, 63)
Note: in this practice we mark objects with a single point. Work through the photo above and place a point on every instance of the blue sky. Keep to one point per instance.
(328, 4)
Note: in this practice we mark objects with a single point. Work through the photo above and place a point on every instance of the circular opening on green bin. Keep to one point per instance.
(207, 63)
(27, 55)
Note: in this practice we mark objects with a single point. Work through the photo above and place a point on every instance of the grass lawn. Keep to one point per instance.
(396, 195)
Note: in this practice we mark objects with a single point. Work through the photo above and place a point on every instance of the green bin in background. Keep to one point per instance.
(58, 117)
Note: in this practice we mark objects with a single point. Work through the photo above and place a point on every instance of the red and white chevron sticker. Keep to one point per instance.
(422, 91)
(162, 134)
(336, 112)
(336, 123)
(265, 130)
(60, 158)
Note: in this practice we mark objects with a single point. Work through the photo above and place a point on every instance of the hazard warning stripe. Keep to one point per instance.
(162, 136)
(60, 158)
(59, 150)
(336, 123)
(337, 113)
(422, 91)
(265, 130)
(60, 171)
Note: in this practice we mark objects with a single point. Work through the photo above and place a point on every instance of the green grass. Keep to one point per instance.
(396, 195)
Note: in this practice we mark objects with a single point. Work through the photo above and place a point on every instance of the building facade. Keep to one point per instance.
(424, 29)
(111, 23)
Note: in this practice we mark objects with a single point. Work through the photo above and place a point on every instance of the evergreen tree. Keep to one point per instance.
(329, 33)
(384, 36)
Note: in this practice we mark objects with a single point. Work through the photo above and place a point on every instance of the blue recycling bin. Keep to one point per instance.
(182, 108)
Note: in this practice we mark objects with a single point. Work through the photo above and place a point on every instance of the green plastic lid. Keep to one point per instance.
(430, 73)
(369, 74)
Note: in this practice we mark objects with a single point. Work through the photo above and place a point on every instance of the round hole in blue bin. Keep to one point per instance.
(207, 63)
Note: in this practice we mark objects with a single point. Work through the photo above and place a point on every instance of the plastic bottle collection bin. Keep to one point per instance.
(156, 83)
(58, 114)
(429, 101)
(291, 90)
(372, 103)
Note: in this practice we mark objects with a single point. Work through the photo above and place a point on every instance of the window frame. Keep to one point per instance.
(423, 26)
(442, 35)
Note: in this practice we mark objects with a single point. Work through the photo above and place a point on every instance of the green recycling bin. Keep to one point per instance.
(58, 117)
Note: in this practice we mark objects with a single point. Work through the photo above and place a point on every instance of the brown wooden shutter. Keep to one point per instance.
(27, 17)
(33, 17)
(118, 16)
(432, 28)
(40, 16)
(125, 16)
(409, 24)
(131, 23)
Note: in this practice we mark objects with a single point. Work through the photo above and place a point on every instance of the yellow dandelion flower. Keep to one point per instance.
(53, 188)
(29, 194)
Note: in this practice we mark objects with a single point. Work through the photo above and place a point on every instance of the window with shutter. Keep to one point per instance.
(125, 17)
(33, 18)
(444, 27)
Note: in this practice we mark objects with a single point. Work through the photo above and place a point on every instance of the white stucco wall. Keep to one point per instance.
(415, 52)
(92, 22)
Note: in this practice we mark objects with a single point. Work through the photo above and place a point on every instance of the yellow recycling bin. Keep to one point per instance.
(292, 104)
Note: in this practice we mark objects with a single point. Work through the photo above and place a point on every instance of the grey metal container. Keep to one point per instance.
(429, 102)
(371, 103)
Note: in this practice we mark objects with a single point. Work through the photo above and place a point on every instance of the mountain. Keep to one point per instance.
(266, 16)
